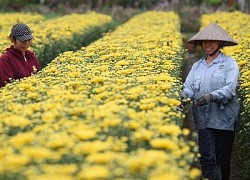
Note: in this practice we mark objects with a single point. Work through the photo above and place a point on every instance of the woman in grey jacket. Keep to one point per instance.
(211, 85)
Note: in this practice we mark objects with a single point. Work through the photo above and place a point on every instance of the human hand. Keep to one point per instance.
(185, 101)
(180, 107)
(184, 98)
(203, 100)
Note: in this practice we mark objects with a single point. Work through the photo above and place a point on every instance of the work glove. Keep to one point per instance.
(204, 100)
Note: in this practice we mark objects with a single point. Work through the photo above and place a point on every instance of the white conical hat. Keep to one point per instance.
(213, 32)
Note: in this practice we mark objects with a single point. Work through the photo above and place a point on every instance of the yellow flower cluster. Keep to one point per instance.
(107, 111)
(9, 19)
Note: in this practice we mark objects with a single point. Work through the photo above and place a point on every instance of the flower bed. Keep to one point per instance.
(107, 111)
(9, 19)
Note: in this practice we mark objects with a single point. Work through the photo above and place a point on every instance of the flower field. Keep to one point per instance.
(8, 19)
(241, 53)
(107, 111)
(54, 36)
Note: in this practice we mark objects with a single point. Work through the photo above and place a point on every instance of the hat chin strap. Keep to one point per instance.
(215, 51)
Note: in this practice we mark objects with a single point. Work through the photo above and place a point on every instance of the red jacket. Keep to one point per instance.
(14, 65)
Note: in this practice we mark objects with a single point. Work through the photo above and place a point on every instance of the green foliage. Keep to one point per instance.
(214, 2)
(194, 2)
(133, 3)
(243, 140)
(16, 3)
(3, 4)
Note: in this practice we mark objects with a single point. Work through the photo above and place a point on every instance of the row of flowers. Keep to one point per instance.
(8, 19)
(239, 29)
(107, 111)
(57, 35)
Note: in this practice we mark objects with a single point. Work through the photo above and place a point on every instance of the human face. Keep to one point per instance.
(22, 45)
(210, 46)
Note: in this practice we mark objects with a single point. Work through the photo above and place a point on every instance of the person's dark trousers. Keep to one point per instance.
(215, 147)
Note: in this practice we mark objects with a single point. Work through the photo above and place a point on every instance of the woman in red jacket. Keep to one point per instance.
(17, 61)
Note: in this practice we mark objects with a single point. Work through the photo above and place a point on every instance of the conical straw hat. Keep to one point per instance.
(213, 32)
